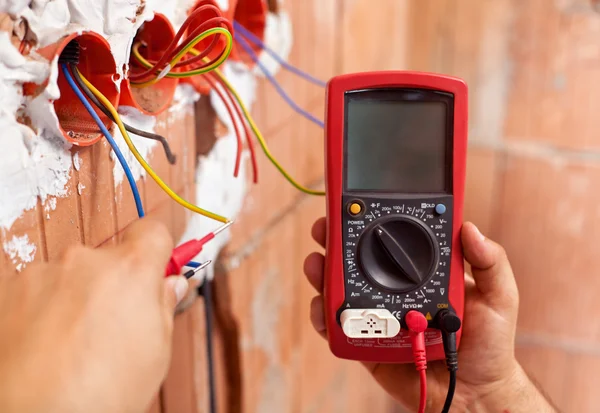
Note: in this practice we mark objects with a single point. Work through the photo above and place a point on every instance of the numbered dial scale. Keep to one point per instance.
(397, 253)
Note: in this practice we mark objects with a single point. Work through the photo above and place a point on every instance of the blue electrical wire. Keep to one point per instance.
(109, 138)
(248, 35)
(276, 84)
(113, 144)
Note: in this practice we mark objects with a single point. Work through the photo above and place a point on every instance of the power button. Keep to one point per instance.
(355, 208)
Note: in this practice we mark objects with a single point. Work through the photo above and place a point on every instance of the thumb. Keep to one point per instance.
(491, 269)
(175, 289)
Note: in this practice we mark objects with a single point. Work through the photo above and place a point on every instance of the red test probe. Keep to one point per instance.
(187, 251)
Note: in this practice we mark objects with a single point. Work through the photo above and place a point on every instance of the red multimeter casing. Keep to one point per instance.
(382, 131)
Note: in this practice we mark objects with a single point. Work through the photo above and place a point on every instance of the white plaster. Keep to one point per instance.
(279, 37)
(76, 161)
(183, 99)
(217, 190)
(20, 251)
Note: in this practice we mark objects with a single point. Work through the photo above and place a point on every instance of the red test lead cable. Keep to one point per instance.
(187, 251)
(417, 324)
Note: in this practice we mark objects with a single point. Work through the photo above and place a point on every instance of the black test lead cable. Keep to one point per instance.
(449, 324)
(70, 54)
(205, 290)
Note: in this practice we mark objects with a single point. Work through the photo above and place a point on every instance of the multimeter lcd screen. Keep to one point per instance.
(396, 145)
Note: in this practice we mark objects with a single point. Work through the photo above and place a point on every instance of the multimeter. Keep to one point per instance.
(395, 171)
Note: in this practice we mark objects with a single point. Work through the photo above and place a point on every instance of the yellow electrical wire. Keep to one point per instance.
(142, 161)
(182, 53)
(259, 136)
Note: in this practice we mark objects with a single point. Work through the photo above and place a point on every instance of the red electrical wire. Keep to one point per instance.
(246, 129)
(203, 27)
(170, 51)
(417, 324)
(238, 136)
(423, 394)
(208, 24)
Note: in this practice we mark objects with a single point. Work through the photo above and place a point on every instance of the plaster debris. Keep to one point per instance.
(218, 191)
(80, 188)
(279, 38)
(49, 205)
(76, 161)
(20, 251)
(184, 99)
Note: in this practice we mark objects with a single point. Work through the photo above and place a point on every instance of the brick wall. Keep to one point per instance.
(534, 157)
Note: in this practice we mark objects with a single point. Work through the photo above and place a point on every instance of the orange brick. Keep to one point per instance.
(362, 44)
(26, 228)
(97, 197)
(62, 220)
(548, 367)
(481, 187)
(547, 221)
(322, 45)
(581, 394)
(273, 194)
(154, 195)
(179, 391)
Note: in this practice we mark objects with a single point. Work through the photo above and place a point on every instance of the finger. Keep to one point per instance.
(175, 290)
(317, 314)
(319, 231)
(314, 269)
(149, 242)
(490, 267)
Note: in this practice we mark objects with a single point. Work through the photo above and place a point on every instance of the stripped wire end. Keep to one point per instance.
(184, 253)
(191, 273)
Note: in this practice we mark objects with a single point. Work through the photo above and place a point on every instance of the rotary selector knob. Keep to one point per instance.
(398, 253)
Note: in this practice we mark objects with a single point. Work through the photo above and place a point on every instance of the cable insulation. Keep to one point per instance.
(245, 125)
(170, 156)
(423, 394)
(256, 40)
(109, 138)
(276, 84)
(143, 162)
(208, 313)
(259, 136)
(238, 135)
(173, 48)
(180, 55)
(451, 390)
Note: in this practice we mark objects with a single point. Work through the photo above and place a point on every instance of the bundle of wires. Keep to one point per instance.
(216, 26)
(242, 37)
(229, 96)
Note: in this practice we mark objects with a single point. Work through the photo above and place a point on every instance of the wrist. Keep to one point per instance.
(515, 394)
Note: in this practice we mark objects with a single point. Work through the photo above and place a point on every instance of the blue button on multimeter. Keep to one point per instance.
(440, 209)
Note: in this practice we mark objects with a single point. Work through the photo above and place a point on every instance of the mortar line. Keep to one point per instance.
(41, 229)
(570, 346)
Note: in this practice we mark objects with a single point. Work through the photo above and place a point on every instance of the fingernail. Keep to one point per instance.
(180, 287)
(481, 236)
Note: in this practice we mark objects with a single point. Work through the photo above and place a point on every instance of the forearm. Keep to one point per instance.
(517, 395)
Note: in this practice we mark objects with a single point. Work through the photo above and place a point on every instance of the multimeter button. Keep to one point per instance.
(440, 209)
(355, 208)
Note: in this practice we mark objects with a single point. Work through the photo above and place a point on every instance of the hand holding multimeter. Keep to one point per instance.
(392, 281)
(395, 154)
